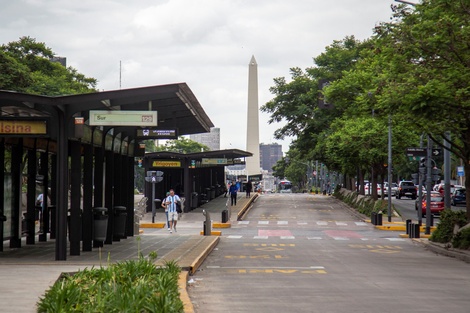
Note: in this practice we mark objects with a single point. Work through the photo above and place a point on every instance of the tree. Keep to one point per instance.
(26, 66)
(183, 145)
(427, 53)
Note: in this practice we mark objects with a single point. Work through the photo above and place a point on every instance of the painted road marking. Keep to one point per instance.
(314, 238)
(360, 223)
(321, 223)
(341, 224)
(234, 237)
(302, 223)
(243, 222)
(342, 233)
(272, 270)
(383, 249)
(282, 222)
(275, 232)
(263, 222)
(287, 237)
(269, 244)
(260, 237)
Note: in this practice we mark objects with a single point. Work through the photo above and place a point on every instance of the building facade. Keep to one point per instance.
(212, 139)
(269, 155)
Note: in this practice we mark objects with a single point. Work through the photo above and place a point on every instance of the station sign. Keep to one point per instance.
(213, 161)
(166, 163)
(152, 133)
(23, 127)
(123, 118)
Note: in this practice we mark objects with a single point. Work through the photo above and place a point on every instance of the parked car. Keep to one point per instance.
(406, 189)
(437, 203)
(440, 188)
(458, 197)
(393, 189)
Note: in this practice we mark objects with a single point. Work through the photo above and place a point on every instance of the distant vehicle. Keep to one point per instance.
(284, 186)
(406, 189)
(437, 203)
(458, 197)
(440, 188)
(394, 189)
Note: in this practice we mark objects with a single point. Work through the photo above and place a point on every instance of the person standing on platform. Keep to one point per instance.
(233, 193)
(249, 187)
(170, 202)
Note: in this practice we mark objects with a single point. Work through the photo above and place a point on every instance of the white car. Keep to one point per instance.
(394, 189)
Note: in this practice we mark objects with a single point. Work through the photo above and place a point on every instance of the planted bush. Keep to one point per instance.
(129, 286)
(462, 239)
(444, 232)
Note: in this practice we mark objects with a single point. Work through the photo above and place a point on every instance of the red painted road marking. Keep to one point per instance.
(276, 233)
(342, 233)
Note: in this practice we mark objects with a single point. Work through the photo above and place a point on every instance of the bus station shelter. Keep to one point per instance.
(197, 177)
(80, 150)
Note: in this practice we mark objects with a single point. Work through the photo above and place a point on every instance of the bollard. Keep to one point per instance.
(416, 231)
(373, 218)
(207, 229)
(379, 219)
(224, 216)
(411, 231)
(408, 223)
(432, 220)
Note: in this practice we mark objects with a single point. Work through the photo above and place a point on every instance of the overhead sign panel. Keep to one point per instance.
(123, 118)
(151, 133)
(416, 152)
(207, 161)
(22, 127)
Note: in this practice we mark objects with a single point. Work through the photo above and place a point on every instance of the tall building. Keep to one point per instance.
(269, 155)
(252, 129)
(212, 139)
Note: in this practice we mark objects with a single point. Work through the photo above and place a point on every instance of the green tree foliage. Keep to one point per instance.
(183, 145)
(26, 66)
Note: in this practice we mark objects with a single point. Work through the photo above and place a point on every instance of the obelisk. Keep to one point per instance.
(252, 127)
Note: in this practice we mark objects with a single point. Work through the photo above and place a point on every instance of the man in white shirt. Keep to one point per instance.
(171, 201)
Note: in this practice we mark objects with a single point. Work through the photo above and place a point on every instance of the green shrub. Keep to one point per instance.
(462, 239)
(445, 229)
(129, 286)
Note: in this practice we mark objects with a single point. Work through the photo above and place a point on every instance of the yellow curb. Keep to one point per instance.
(213, 233)
(184, 296)
(202, 257)
(420, 236)
(141, 231)
(152, 225)
(222, 225)
(400, 223)
(401, 228)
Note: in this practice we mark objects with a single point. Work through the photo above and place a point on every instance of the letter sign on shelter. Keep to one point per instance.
(123, 118)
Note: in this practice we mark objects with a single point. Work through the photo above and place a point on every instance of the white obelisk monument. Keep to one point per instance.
(252, 129)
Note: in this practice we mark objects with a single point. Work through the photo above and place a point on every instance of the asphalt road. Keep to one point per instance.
(304, 253)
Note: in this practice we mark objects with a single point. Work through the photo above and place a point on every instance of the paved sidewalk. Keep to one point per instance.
(26, 273)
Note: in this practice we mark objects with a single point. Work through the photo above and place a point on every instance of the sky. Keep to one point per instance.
(206, 43)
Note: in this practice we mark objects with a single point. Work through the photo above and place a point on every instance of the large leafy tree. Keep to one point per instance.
(26, 66)
(427, 52)
(183, 145)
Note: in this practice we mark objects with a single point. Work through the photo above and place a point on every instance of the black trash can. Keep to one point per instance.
(224, 216)
(120, 216)
(100, 223)
(194, 200)
(212, 192)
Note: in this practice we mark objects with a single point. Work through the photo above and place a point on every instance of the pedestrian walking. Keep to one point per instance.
(166, 211)
(171, 202)
(233, 193)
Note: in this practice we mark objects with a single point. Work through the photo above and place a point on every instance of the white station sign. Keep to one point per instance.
(123, 118)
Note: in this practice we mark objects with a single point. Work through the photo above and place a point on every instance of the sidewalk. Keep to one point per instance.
(26, 273)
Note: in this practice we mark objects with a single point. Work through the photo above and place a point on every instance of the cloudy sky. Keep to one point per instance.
(206, 43)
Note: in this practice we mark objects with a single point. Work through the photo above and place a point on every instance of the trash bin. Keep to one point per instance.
(208, 194)
(120, 216)
(224, 216)
(194, 200)
(100, 223)
(212, 192)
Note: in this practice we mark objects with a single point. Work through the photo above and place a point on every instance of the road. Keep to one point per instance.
(306, 253)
